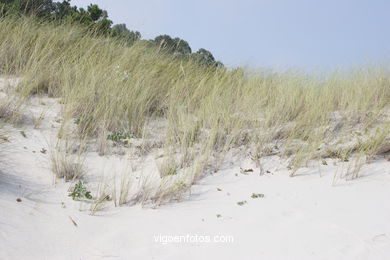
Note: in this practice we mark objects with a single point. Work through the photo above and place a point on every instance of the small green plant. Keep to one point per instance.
(344, 157)
(118, 136)
(219, 215)
(241, 203)
(23, 134)
(257, 195)
(80, 192)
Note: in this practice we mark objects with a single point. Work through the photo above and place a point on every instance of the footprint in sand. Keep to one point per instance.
(381, 238)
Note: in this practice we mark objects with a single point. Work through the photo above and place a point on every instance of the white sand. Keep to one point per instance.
(309, 216)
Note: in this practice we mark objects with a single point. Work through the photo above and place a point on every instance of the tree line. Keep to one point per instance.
(96, 20)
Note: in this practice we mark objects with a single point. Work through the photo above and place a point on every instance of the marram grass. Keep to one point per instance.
(109, 87)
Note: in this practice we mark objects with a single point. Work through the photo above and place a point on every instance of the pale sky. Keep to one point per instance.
(278, 34)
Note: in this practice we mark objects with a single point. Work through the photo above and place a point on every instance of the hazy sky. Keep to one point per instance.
(307, 34)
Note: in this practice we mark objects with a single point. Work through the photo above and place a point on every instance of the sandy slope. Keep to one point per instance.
(310, 216)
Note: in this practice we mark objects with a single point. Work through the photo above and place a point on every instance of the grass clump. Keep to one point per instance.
(65, 164)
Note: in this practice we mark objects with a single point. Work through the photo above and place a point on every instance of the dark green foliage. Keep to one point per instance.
(39, 8)
(94, 17)
(95, 13)
(182, 47)
(206, 58)
(205, 55)
(176, 45)
(96, 20)
(61, 10)
(120, 31)
(46, 9)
